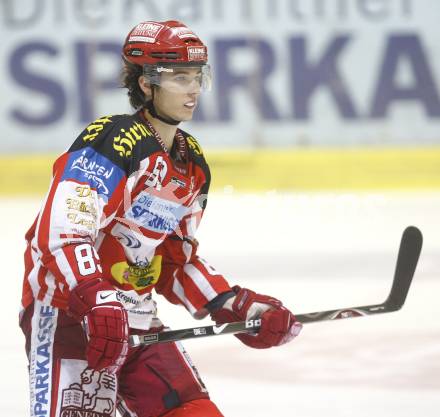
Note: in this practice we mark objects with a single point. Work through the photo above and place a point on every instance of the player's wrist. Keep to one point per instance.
(218, 302)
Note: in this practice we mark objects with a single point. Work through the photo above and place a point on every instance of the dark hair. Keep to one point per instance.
(129, 79)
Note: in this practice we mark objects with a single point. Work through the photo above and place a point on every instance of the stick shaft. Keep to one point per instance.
(408, 256)
(194, 332)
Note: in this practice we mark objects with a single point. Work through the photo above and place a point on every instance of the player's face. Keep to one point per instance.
(178, 93)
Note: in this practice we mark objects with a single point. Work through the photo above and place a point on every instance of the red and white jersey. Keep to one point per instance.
(122, 208)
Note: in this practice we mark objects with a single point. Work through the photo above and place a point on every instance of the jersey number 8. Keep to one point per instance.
(86, 258)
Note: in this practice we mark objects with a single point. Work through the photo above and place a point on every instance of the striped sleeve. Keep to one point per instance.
(86, 190)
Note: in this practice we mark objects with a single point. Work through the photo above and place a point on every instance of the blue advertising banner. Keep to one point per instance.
(286, 72)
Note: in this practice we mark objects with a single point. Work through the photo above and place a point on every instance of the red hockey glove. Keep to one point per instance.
(278, 324)
(94, 303)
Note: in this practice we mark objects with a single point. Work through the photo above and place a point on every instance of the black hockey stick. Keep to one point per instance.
(407, 258)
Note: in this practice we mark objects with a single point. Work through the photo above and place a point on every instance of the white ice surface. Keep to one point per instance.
(315, 252)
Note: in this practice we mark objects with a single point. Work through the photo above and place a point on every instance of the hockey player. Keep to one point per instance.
(119, 220)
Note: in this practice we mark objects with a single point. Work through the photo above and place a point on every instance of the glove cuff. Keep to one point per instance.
(89, 293)
(243, 304)
(245, 298)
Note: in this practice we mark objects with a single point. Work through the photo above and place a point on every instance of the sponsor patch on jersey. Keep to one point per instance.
(127, 138)
(41, 360)
(138, 275)
(88, 166)
(145, 32)
(156, 214)
(129, 240)
(84, 391)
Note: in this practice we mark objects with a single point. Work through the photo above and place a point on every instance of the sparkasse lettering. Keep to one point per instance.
(42, 367)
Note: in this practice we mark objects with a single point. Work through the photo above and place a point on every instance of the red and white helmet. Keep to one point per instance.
(169, 42)
(161, 46)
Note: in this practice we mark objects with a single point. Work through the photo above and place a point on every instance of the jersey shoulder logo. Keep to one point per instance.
(92, 131)
(194, 145)
(115, 135)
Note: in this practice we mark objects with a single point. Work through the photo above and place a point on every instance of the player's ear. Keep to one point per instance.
(144, 85)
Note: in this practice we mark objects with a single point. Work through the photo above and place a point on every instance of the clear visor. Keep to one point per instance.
(184, 79)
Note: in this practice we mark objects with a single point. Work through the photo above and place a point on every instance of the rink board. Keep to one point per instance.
(271, 169)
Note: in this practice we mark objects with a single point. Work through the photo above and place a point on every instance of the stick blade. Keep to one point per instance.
(409, 252)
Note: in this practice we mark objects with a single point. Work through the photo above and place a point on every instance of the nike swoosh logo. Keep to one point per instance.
(219, 329)
(103, 297)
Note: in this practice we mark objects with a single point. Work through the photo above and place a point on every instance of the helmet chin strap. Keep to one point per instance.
(152, 110)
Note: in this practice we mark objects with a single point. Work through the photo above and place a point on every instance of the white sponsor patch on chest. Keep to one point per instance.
(157, 214)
